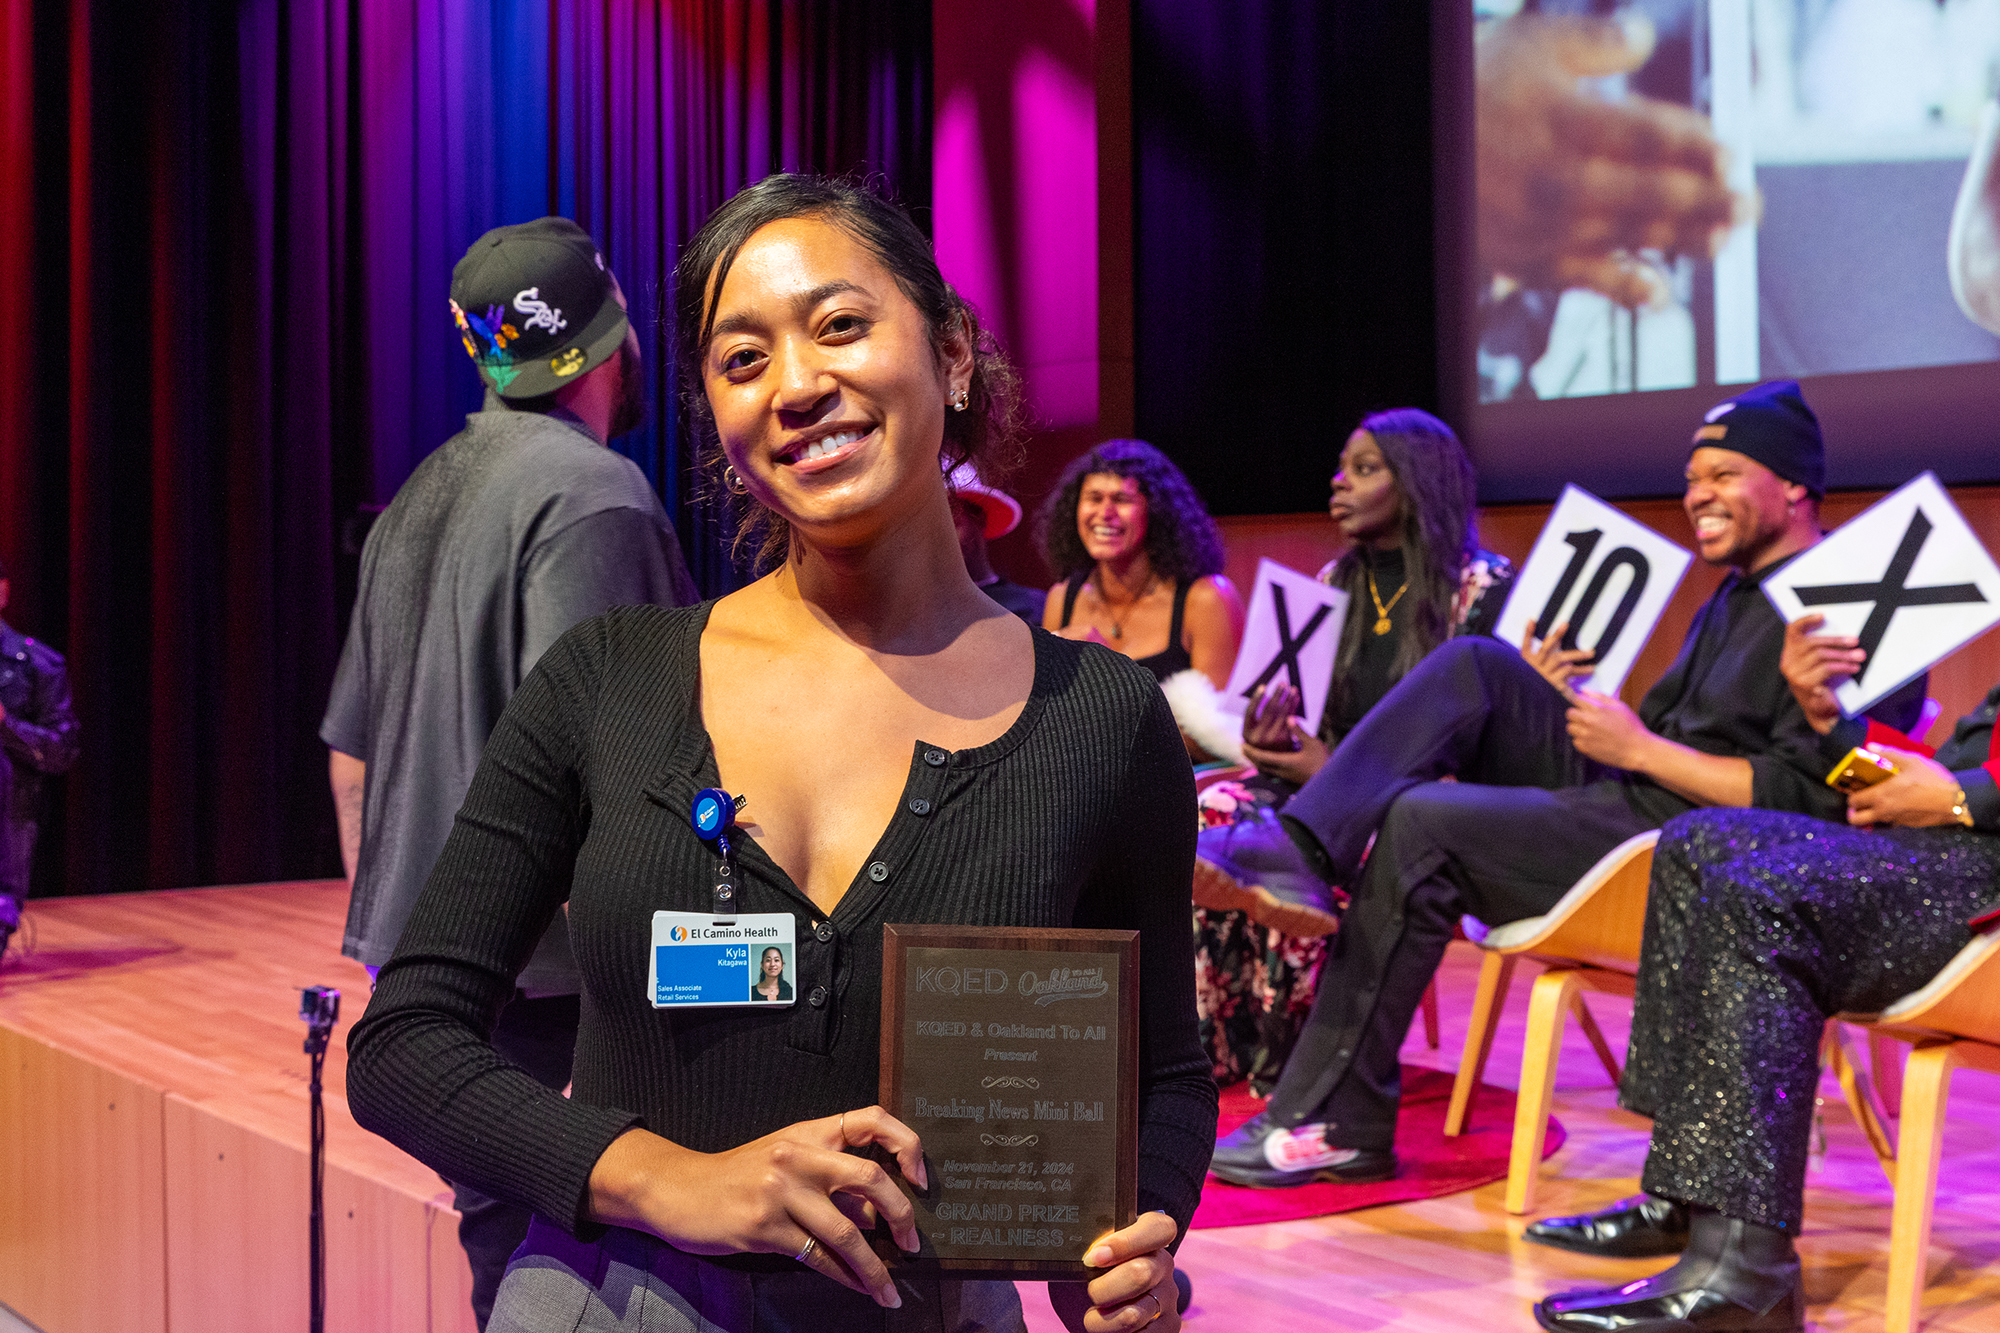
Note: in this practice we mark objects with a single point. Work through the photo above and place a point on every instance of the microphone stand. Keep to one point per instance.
(319, 1009)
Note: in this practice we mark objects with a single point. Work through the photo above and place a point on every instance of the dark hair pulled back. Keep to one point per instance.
(1439, 495)
(986, 432)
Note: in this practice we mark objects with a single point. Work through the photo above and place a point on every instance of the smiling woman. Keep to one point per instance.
(985, 420)
(1141, 563)
(903, 749)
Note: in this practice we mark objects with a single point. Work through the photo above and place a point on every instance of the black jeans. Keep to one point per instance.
(1526, 818)
(540, 1036)
(17, 850)
(1759, 927)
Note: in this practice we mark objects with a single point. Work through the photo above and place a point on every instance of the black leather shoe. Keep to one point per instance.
(1639, 1308)
(1641, 1227)
(1736, 1278)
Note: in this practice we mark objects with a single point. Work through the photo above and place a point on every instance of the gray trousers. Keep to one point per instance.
(1526, 817)
(628, 1282)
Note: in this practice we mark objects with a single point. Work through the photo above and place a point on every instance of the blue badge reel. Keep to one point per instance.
(708, 960)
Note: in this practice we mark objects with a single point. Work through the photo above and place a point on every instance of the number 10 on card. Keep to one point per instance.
(1608, 576)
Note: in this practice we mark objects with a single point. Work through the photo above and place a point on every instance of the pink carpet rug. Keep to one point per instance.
(1431, 1164)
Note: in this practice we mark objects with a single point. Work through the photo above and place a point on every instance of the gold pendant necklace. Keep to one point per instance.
(1382, 623)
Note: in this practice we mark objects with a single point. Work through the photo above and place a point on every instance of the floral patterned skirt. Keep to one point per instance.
(1253, 991)
(1253, 984)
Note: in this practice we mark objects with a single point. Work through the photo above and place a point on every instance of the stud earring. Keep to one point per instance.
(961, 400)
(734, 482)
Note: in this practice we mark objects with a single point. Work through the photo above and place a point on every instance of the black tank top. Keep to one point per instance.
(1174, 657)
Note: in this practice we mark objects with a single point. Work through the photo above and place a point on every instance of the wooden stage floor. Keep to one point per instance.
(153, 1127)
(153, 1131)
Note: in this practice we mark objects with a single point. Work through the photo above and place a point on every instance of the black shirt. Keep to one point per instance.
(1082, 814)
(1723, 695)
(1373, 673)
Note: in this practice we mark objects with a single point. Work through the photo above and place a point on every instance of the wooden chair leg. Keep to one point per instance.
(1859, 1093)
(1496, 973)
(1885, 1054)
(1926, 1085)
(1547, 1005)
(1596, 1034)
(1431, 1015)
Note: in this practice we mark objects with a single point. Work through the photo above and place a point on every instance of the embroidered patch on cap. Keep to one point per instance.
(568, 363)
(541, 315)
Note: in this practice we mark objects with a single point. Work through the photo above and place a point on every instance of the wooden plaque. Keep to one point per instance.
(1015, 1054)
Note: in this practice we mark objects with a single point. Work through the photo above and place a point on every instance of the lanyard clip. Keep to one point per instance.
(714, 816)
(724, 903)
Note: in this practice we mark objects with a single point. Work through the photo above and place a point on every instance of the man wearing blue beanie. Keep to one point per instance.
(1549, 778)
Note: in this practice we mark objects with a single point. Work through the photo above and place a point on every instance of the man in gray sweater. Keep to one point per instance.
(516, 528)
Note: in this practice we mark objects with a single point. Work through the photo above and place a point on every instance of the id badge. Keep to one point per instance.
(702, 962)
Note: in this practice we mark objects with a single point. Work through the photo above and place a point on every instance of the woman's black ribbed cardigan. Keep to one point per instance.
(1082, 814)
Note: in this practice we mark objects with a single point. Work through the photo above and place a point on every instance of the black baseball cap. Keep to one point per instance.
(536, 307)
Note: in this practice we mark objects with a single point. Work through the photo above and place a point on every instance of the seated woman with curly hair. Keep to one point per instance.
(1141, 563)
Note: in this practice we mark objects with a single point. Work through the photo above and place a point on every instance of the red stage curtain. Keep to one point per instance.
(226, 237)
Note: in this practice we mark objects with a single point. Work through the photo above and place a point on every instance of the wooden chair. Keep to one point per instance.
(1588, 941)
(1955, 1023)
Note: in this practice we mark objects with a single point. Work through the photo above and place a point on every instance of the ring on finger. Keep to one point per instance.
(805, 1254)
(1159, 1307)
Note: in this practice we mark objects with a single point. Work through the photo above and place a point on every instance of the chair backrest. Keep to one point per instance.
(1599, 921)
(1962, 1000)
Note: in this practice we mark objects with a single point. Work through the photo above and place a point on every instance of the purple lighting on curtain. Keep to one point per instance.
(1015, 172)
(244, 218)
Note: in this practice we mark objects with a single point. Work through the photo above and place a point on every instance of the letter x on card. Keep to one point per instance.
(1290, 638)
(1908, 577)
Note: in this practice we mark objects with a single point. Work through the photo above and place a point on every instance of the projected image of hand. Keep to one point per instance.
(1974, 246)
(1575, 188)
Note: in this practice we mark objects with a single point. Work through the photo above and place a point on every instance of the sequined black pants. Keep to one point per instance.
(1759, 927)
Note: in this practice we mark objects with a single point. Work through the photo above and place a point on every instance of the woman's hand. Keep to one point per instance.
(1267, 721)
(1304, 756)
(1811, 662)
(1275, 741)
(1558, 665)
(797, 1192)
(1138, 1290)
(1920, 795)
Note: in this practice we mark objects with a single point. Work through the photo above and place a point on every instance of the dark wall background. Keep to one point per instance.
(1285, 264)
